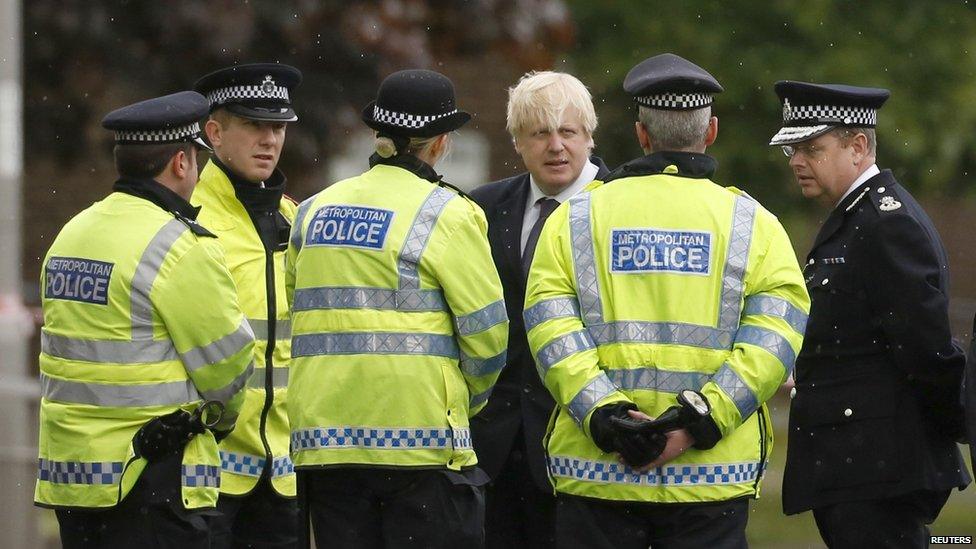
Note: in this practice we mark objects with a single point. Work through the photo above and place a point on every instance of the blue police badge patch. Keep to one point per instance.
(77, 279)
(349, 226)
(660, 250)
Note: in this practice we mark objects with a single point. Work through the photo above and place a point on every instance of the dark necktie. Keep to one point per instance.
(546, 207)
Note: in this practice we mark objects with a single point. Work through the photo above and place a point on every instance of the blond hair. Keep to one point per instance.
(417, 146)
(540, 99)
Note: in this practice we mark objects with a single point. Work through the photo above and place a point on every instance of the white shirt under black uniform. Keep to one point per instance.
(587, 175)
(868, 174)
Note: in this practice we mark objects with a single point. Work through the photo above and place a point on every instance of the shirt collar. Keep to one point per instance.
(868, 174)
(587, 174)
(687, 164)
(264, 197)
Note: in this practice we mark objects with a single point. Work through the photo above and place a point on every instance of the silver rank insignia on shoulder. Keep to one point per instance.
(889, 203)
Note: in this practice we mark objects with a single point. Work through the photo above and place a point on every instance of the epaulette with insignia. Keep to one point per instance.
(194, 227)
(885, 199)
(447, 185)
(740, 192)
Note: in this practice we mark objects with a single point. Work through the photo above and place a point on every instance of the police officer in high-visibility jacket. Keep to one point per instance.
(241, 192)
(399, 333)
(141, 322)
(660, 293)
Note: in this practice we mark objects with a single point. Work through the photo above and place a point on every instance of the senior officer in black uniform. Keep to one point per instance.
(875, 411)
(551, 120)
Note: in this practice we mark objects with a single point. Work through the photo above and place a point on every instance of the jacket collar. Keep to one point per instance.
(253, 197)
(693, 165)
(158, 194)
(836, 218)
(410, 163)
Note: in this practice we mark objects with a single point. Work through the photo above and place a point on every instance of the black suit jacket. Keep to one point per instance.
(519, 400)
(876, 408)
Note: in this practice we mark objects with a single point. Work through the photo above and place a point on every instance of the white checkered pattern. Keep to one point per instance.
(395, 438)
(253, 466)
(405, 120)
(831, 114)
(675, 100)
(79, 472)
(167, 135)
(670, 475)
(201, 476)
(236, 93)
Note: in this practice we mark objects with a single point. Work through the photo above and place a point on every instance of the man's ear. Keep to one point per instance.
(179, 164)
(712, 133)
(214, 131)
(642, 137)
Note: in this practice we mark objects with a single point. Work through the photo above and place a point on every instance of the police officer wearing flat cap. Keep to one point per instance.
(241, 193)
(875, 411)
(399, 332)
(134, 292)
(660, 294)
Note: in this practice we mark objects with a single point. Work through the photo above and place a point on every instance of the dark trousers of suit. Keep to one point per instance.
(583, 523)
(518, 513)
(262, 519)
(151, 516)
(891, 523)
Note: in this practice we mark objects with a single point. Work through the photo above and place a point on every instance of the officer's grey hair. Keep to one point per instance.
(540, 99)
(846, 134)
(418, 146)
(675, 130)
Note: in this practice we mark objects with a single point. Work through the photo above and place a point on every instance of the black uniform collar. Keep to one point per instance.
(155, 192)
(253, 196)
(410, 163)
(694, 165)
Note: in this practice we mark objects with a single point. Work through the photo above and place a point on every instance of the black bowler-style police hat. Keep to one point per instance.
(173, 118)
(259, 91)
(415, 103)
(669, 82)
(810, 110)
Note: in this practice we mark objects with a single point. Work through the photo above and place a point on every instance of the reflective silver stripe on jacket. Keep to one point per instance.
(417, 236)
(260, 328)
(328, 297)
(771, 342)
(227, 392)
(219, 350)
(664, 333)
(483, 319)
(737, 390)
(380, 438)
(585, 400)
(79, 472)
(480, 398)
(107, 351)
(296, 227)
(679, 474)
(562, 347)
(121, 396)
(587, 281)
(547, 309)
(279, 378)
(200, 476)
(141, 308)
(253, 466)
(737, 258)
(384, 343)
(477, 367)
(768, 305)
(654, 379)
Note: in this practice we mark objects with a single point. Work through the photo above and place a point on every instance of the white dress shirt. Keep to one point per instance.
(587, 175)
(868, 174)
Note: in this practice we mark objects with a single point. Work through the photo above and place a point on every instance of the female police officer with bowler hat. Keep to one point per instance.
(399, 332)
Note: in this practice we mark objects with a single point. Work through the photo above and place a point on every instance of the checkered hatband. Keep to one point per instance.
(830, 114)
(166, 135)
(675, 101)
(268, 90)
(405, 120)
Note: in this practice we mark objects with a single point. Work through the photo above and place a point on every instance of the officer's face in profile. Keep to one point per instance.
(555, 156)
(824, 167)
(251, 148)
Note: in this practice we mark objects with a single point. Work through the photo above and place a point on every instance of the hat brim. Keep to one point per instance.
(201, 143)
(788, 135)
(286, 114)
(431, 129)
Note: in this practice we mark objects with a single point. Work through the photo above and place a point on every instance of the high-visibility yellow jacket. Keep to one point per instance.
(140, 318)
(261, 435)
(657, 281)
(399, 324)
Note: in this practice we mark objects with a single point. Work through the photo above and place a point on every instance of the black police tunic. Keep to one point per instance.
(875, 410)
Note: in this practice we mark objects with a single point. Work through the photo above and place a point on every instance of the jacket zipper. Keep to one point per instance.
(269, 276)
(762, 448)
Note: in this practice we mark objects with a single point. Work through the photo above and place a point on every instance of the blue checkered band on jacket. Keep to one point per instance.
(236, 93)
(406, 120)
(675, 100)
(200, 476)
(164, 135)
(830, 114)
(668, 475)
(79, 472)
(394, 438)
(253, 466)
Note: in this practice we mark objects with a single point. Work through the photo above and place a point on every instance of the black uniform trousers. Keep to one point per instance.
(262, 519)
(519, 513)
(358, 508)
(891, 523)
(596, 524)
(151, 516)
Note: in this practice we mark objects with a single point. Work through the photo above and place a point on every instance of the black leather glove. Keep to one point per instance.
(165, 435)
(637, 447)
